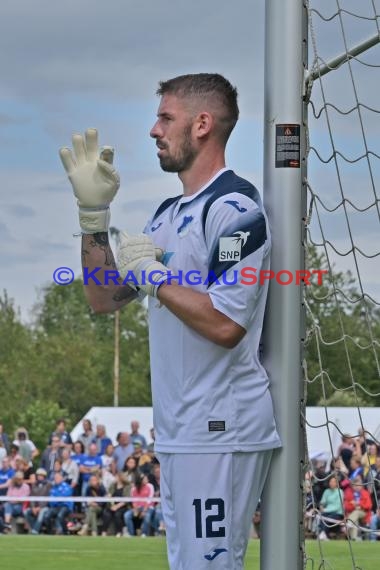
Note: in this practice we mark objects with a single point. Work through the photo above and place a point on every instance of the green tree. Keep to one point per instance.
(340, 350)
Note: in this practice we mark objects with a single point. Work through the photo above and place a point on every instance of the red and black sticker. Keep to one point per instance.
(288, 146)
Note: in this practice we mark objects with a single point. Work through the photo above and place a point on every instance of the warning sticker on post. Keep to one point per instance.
(288, 146)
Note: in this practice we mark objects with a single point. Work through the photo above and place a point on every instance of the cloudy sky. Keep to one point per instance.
(67, 66)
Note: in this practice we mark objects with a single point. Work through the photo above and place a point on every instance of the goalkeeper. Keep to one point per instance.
(212, 407)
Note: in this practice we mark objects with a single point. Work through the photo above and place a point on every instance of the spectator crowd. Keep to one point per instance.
(86, 482)
(343, 498)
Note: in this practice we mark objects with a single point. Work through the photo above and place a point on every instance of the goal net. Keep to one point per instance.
(342, 356)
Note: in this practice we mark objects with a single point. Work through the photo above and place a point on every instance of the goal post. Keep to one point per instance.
(285, 202)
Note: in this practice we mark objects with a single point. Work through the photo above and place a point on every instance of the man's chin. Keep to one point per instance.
(168, 166)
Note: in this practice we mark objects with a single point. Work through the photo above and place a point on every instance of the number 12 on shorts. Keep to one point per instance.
(201, 515)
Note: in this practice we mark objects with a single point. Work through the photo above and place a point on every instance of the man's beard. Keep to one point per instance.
(184, 158)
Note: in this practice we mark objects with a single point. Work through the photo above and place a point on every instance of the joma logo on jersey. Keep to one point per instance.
(230, 247)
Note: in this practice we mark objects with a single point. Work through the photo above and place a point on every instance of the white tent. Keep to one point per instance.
(324, 424)
(116, 420)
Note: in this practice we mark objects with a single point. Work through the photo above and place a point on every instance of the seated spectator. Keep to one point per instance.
(3, 451)
(135, 436)
(130, 470)
(26, 447)
(319, 481)
(63, 435)
(58, 511)
(108, 461)
(91, 464)
(57, 468)
(50, 455)
(101, 439)
(6, 474)
(357, 506)
(70, 469)
(77, 456)
(154, 478)
(375, 525)
(94, 510)
(17, 488)
(369, 457)
(14, 455)
(78, 452)
(28, 471)
(115, 511)
(331, 507)
(142, 511)
(87, 435)
(35, 514)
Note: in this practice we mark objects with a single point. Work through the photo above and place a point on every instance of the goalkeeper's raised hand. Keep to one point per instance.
(94, 180)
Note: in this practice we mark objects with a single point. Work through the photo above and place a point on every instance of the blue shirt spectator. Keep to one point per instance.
(6, 474)
(101, 439)
(90, 463)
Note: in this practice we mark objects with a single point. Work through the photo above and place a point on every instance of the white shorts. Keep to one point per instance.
(208, 502)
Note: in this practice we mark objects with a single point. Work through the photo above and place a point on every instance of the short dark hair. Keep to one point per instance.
(203, 86)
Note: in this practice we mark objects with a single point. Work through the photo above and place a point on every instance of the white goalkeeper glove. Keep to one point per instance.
(137, 254)
(93, 178)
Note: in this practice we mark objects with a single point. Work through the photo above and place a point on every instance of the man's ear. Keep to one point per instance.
(203, 124)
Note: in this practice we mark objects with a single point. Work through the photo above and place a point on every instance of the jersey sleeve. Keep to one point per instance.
(238, 244)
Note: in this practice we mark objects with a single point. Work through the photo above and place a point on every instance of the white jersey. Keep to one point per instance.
(206, 398)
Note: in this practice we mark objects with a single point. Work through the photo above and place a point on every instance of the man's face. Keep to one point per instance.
(173, 134)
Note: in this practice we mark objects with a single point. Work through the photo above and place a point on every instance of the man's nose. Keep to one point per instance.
(155, 131)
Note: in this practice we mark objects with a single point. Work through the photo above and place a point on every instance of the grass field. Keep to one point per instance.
(19, 552)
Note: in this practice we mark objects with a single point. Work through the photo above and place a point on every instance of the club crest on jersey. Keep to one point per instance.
(183, 229)
(230, 247)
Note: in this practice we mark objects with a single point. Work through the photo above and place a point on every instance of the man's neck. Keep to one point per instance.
(202, 170)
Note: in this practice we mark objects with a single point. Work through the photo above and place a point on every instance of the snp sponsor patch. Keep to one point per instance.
(230, 247)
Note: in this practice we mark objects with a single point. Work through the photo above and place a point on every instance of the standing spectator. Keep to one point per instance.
(115, 511)
(101, 439)
(135, 436)
(331, 506)
(123, 450)
(61, 432)
(51, 454)
(142, 512)
(58, 511)
(91, 465)
(26, 447)
(88, 435)
(6, 474)
(356, 467)
(150, 447)
(357, 506)
(4, 438)
(17, 488)
(36, 512)
(94, 510)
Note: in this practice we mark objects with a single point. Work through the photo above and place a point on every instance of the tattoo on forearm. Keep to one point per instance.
(99, 241)
(123, 293)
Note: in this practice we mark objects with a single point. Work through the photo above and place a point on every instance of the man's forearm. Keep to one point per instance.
(196, 310)
(107, 296)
